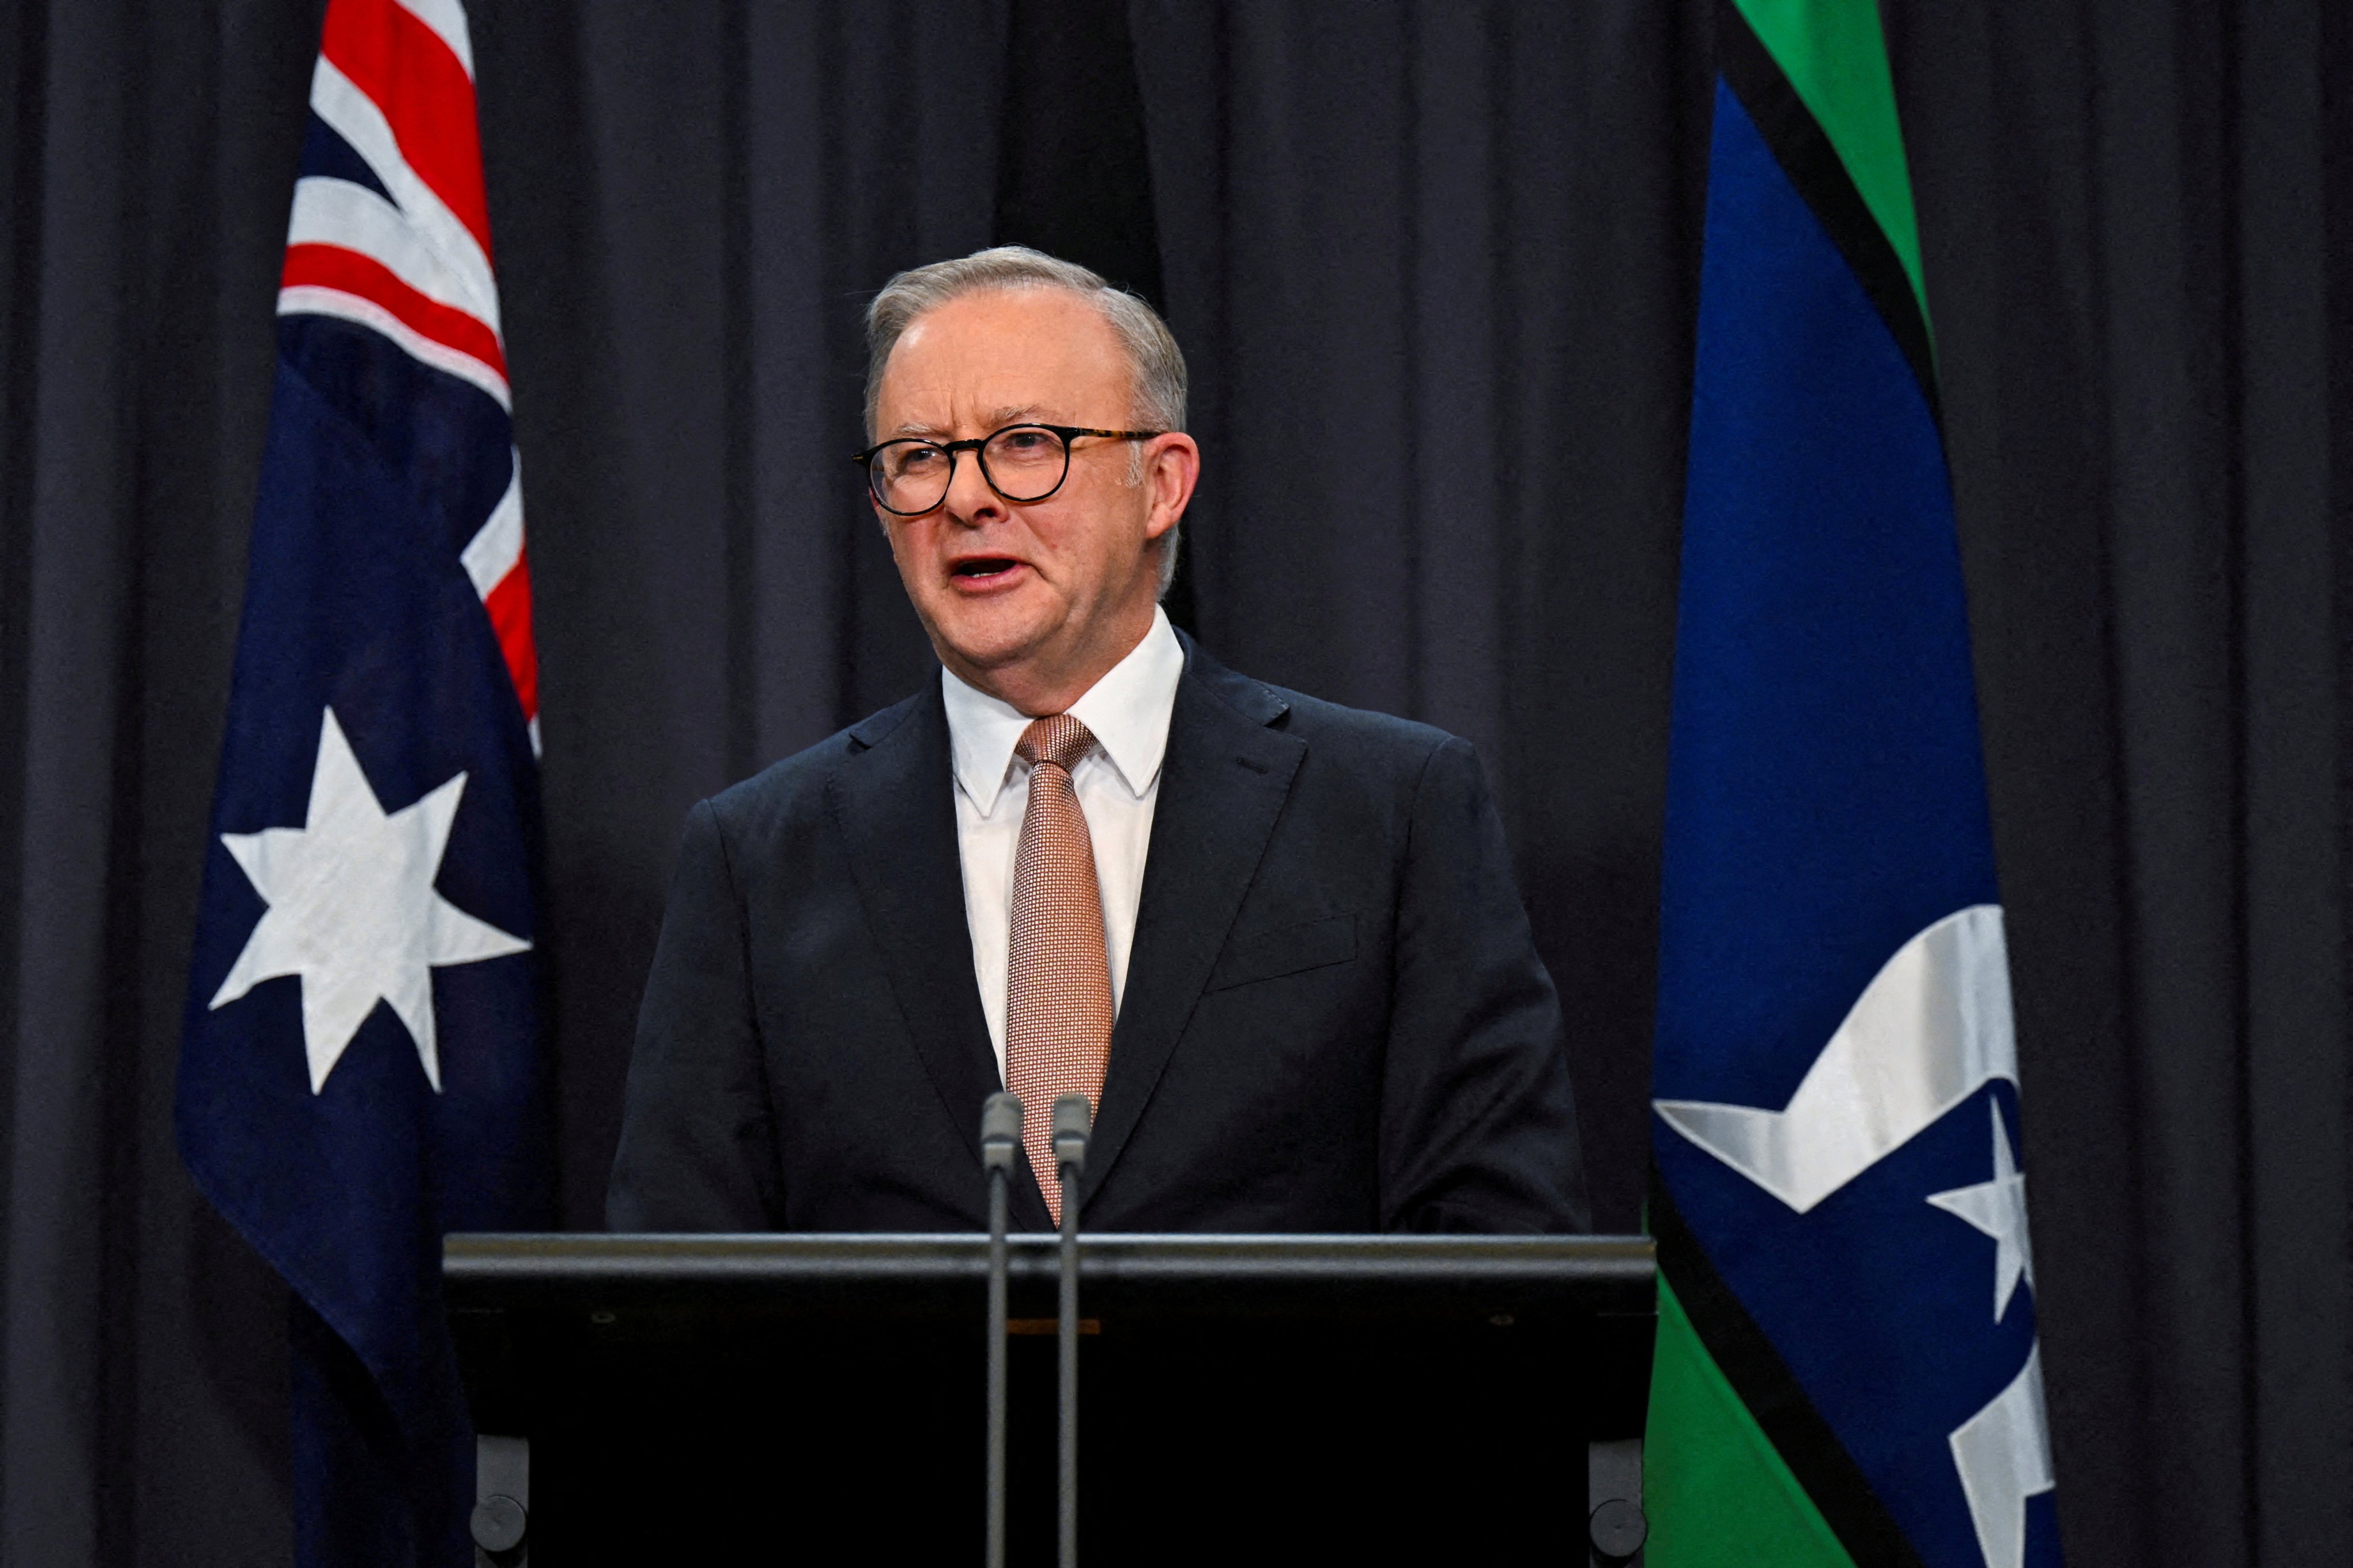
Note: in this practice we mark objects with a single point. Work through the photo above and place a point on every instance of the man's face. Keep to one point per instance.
(1026, 599)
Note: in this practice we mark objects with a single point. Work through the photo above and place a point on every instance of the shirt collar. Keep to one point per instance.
(1128, 711)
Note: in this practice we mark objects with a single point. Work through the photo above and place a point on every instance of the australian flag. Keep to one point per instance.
(360, 1070)
(1848, 1369)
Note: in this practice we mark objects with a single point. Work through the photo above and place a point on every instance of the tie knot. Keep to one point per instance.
(1058, 739)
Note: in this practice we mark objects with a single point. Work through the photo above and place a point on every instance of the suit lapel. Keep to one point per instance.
(1222, 783)
(895, 803)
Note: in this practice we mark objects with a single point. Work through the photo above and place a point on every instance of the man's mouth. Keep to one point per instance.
(983, 568)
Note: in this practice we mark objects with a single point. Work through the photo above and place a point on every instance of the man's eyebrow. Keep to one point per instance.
(998, 419)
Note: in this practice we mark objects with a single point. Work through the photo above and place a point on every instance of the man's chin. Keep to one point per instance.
(989, 637)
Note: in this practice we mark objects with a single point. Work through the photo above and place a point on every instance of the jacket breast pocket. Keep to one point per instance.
(1287, 950)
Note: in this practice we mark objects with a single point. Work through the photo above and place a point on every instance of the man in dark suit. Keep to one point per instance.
(1275, 942)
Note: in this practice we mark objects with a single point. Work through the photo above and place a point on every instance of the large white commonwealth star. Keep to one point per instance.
(353, 909)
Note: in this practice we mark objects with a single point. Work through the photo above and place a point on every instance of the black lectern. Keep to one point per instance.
(787, 1399)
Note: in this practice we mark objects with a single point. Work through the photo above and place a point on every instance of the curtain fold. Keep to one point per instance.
(2133, 217)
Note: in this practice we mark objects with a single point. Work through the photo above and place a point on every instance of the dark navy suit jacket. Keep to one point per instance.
(1335, 1017)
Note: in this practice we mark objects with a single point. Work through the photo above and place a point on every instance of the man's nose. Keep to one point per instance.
(970, 501)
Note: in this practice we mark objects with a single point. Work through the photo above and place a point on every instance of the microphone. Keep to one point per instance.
(1000, 1137)
(1073, 1123)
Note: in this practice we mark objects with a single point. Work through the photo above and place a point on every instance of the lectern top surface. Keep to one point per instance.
(490, 1254)
(1578, 1273)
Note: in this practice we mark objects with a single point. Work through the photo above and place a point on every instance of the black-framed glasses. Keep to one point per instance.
(1023, 463)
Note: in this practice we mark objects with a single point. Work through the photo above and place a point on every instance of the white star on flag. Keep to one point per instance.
(353, 909)
(1998, 1207)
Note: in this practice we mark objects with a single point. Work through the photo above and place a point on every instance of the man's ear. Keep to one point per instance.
(1172, 467)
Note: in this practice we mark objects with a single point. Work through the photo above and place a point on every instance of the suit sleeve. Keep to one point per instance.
(1478, 1120)
(698, 1141)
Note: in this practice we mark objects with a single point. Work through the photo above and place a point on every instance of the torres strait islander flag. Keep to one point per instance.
(1847, 1367)
(360, 1069)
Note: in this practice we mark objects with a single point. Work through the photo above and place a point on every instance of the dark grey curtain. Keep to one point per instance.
(2135, 219)
(146, 157)
(1434, 267)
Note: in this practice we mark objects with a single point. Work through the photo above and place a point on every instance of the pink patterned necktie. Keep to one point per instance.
(1058, 1013)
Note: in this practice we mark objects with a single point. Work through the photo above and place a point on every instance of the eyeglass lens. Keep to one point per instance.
(1023, 463)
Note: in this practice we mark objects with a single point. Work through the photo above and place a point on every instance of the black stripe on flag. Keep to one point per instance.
(1765, 1384)
(1804, 151)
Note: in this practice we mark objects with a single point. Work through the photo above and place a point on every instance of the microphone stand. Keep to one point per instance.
(1000, 1136)
(1071, 1126)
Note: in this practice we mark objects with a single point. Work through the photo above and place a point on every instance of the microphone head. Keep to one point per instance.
(1000, 1130)
(1073, 1121)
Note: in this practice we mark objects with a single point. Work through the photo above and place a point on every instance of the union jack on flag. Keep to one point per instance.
(391, 231)
(361, 1070)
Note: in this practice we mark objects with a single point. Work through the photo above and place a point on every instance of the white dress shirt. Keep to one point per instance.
(1118, 785)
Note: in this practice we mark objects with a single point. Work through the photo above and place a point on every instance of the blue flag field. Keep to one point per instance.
(361, 1068)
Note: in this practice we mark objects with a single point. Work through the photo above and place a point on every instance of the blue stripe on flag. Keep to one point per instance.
(1826, 799)
(1826, 806)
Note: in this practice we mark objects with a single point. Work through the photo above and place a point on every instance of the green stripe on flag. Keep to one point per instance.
(1835, 55)
(1716, 1492)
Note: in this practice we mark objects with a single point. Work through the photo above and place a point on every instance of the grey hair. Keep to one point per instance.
(1157, 364)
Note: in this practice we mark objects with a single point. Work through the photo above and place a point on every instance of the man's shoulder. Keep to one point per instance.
(1314, 717)
(797, 782)
(1356, 736)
